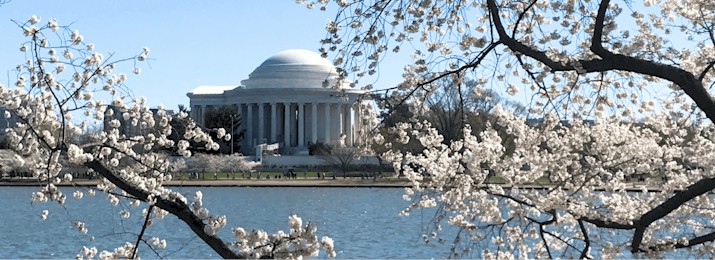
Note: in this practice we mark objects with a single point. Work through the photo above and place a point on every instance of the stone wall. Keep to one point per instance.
(307, 160)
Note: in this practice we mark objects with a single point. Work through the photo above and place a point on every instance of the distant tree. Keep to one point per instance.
(451, 108)
(318, 148)
(342, 158)
(389, 118)
(236, 163)
(448, 108)
(213, 163)
(183, 109)
(177, 166)
(203, 163)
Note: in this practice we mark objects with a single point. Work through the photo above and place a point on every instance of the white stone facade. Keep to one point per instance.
(284, 101)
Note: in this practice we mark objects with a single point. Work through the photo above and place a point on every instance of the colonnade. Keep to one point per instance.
(293, 124)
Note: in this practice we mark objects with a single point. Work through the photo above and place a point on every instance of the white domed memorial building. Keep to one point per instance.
(284, 103)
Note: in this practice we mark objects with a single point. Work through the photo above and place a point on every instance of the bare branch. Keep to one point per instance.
(597, 39)
(706, 70)
(697, 240)
(141, 233)
(586, 240)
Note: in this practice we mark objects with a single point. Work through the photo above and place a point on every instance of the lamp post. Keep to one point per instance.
(233, 121)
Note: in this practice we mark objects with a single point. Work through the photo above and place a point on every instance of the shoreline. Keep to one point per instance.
(312, 183)
(297, 183)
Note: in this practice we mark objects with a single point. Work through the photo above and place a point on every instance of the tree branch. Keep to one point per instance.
(521, 17)
(696, 189)
(141, 233)
(697, 240)
(597, 39)
(519, 47)
(175, 207)
(605, 224)
(706, 70)
(611, 61)
(586, 240)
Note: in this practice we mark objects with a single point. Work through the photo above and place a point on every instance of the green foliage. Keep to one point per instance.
(318, 148)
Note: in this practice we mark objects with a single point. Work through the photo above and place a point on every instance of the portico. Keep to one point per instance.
(298, 122)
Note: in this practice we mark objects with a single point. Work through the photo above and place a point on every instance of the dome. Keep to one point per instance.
(294, 68)
(295, 57)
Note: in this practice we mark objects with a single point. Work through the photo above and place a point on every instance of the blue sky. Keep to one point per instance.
(192, 42)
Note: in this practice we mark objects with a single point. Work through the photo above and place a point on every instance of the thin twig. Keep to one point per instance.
(141, 234)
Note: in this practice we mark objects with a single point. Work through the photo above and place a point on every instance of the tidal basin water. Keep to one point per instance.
(363, 222)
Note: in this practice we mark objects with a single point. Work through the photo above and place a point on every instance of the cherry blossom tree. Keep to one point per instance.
(642, 71)
(204, 163)
(61, 89)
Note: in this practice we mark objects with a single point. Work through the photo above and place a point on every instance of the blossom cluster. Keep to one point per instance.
(301, 242)
(577, 174)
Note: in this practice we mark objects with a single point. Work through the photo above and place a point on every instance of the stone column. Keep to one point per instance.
(357, 133)
(286, 124)
(261, 122)
(301, 124)
(327, 123)
(314, 119)
(249, 125)
(348, 125)
(244, 125)
(237, 112)
(199, 115)
(195, 113)
(340, 119)
(274, 124)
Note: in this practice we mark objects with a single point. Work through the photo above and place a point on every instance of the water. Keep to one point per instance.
(364, 222)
